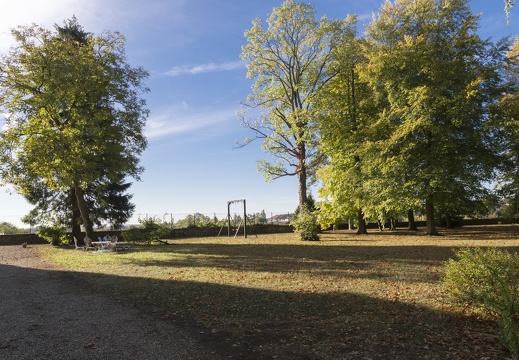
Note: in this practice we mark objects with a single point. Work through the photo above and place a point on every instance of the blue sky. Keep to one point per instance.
(192, 50)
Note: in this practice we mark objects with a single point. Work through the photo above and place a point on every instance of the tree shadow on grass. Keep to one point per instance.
(245, 322)
(242, 322)
(343, 262)
(308, 323)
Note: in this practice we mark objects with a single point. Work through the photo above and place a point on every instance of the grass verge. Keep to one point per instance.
(375, 296)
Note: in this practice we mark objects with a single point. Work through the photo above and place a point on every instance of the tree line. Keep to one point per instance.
(418, 114)
(198, 219)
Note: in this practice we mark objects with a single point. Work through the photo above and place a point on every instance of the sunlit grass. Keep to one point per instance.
(279, 284)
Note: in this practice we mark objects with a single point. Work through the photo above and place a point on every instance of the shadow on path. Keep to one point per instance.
(51, 314)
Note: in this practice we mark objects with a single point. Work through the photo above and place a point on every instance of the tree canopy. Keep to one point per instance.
(288, 61)
(506, 120)
(75, 115)
(409, 117)
(438, 77)
(408, 121)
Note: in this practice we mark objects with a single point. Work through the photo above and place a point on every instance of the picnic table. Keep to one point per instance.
(102, 245)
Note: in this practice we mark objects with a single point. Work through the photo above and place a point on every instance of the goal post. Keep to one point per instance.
(237, 203)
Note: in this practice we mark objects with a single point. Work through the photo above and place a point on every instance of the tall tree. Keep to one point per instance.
(345, 104)
(288, 61)
(506, 119)
(111, 202)
(439, 78)
(75, 111)
(354, 183)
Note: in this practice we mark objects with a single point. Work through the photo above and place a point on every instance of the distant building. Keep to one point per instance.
(282, 219)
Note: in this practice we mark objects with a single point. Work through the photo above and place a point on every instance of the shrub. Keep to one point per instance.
(134, 235)
(55, 235)
(306, 225)
(151, 230)
(487, 280)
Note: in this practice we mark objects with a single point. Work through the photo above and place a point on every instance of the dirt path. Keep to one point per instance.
(48, 313)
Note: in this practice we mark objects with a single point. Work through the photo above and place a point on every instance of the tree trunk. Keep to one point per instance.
(380, 226)
(362, 230)
(448, 222)
(392, 223)
(412, 224)
(301, 177)
(76, 215)
(429, 210)
(87, 223)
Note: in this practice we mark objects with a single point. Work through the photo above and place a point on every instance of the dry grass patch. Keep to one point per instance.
(374, 296)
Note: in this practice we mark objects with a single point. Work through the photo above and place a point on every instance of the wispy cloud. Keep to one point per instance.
(131, 17)
(46, 14)
(205, 68)
(180, 120)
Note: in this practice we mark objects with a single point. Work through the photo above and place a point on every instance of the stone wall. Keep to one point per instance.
(251, 231)
(213, 231)
(175, 234)
(18, 239)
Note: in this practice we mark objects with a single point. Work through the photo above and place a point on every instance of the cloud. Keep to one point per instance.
(23, 13)
(180, 120)
(205, 68)
(94, 15)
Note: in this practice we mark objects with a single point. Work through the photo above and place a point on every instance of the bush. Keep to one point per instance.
(306, 225)
(134, 235)
(150, 231)
(487, 280)
(55, 235)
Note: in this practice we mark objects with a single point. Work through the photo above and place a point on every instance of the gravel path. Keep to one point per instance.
(47, 313)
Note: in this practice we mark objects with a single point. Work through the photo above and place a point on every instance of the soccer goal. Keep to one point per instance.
(237, 216)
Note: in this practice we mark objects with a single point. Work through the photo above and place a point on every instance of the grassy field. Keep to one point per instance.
(375, 296)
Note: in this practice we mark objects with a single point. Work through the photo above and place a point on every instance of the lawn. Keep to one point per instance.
(375, 296)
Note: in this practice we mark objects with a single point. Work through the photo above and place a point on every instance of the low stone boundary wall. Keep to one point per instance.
(252, 230)
(18, 239)
(214, 231)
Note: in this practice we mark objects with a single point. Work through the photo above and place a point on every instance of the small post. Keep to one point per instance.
(229, 218)
(245, 219)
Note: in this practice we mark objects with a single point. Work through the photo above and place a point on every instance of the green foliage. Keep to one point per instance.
(134, 235)
(77, 93)
(347, 111)
(108, 200)
(9, 229)
(309, 204)
(259, 218)
(438, 80)
(197, 220)
(488, 281)
(149, 231)
(306, 225)
(55, 235)
(289, 62)
(506, 120)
